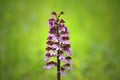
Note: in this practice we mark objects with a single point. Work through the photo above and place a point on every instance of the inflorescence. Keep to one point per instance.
(58, 44)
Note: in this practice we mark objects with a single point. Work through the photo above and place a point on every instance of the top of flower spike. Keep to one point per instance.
(61, 12)
(54, 13)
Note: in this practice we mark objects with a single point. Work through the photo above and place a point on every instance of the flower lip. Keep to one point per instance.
(66, 30)
(68, 51)
(62, 58)
(50, 65)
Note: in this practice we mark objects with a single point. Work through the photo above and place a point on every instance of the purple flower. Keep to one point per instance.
(68, 59)
(48, 48)
(67, 48)
(62, 58)
(67, 66)
(58, 44)
(51, 22)
(53, 37)
(55, 46)
(53, 53)
(69, 51)
(53, 30)
(47, 56)
(62, 71)
(50, 65)
(64, 37)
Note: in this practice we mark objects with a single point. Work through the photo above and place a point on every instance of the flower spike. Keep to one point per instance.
(57, 45)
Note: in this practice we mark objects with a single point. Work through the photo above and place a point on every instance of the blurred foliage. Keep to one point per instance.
(95, 36)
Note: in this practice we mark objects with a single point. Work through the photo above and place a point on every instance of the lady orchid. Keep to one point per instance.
(58, 45)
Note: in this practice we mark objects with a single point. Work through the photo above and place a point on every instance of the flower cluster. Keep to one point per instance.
(58, 44)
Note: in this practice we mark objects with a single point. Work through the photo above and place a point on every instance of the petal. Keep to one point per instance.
(69, 51)
(63, 73)
(46, 67)
(65, 42)
(53, 53)
(47, 59)
(70, 62)
(50, 66)
(54, 38)
(55, 46)
(62, 58)
(69, 68)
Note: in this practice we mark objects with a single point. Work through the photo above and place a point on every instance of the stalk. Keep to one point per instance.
(58, 61)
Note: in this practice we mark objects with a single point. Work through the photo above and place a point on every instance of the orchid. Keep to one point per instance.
(58, 46)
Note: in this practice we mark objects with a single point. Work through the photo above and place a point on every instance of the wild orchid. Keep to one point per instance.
(58, 46)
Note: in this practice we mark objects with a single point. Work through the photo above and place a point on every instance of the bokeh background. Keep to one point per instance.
(95, 36)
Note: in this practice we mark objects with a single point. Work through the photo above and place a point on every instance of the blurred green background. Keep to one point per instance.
(95, 36)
